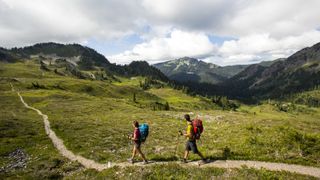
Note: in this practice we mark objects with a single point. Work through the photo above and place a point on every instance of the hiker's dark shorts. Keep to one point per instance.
(137, 144)
(191, 145)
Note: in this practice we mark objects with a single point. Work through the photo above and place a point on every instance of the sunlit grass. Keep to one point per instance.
(94, 117)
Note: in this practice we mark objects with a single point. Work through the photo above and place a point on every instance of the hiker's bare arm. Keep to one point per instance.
(183, 134)
(134, 137)
(187, 135)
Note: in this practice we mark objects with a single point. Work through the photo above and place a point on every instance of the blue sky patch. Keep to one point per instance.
(220, 39)
(112, 47)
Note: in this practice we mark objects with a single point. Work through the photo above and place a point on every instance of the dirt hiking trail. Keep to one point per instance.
(87, 163)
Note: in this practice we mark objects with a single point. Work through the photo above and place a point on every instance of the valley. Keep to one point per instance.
(159, 90)
(93, 117)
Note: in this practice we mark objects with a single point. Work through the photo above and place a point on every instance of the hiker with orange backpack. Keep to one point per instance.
(139, 136)
(193, 133)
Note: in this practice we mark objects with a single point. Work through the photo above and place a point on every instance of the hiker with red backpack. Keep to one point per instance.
(193, 133)
(139, 136)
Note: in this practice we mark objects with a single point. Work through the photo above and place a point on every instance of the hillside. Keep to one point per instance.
(91, 110)
(269, 63)
(84, 57)
(7, 56)
(92, 117)
(75, 57)
(297, 73)
(190, 69)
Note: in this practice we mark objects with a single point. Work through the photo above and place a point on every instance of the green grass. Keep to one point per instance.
(180, 100)
(175, 171)
(94, 117)
(310, 98)
(22, 128)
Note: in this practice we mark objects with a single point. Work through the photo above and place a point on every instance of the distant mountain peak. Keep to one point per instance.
(187, 61)
(190, 69)
(194, 60)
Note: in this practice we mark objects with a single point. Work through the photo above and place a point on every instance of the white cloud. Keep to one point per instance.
(27, 22)
(264, 29)
(236, 18)
(178, 44)
(246, 50)
(277, 18)
(258, 47)
(191, 14)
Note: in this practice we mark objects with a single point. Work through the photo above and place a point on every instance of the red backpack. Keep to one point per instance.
(197, 128)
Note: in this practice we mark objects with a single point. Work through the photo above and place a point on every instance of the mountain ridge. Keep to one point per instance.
(78, 57)
(298, 72)
(190, 69)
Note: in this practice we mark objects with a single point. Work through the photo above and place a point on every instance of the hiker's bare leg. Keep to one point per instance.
(186, 153)
(141, 154)
(134, 151)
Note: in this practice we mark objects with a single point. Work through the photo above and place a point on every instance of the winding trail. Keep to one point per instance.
(87, 163)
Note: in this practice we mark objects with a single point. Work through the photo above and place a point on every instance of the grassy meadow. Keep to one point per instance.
(94, 117)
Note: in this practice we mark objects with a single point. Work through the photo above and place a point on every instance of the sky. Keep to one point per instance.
(224, 32)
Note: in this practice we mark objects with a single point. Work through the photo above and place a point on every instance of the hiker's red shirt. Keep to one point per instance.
(136, 134)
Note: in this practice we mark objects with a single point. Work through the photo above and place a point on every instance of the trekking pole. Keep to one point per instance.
(129, 140)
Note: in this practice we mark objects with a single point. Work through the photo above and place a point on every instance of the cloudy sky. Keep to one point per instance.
(223, 32)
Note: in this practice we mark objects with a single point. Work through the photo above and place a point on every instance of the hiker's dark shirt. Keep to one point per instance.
(136, 134)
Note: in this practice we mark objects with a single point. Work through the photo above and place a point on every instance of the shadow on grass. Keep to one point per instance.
(211, 159)
(226, 154)
(175, 158)
(164, 159)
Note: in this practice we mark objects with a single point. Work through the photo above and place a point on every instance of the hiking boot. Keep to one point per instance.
(130, 161)
(184, 161)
